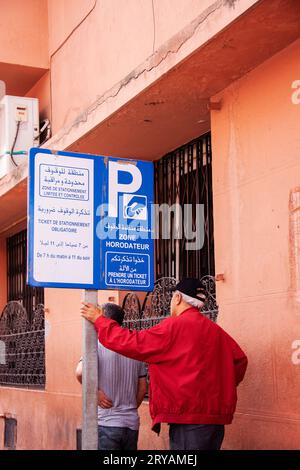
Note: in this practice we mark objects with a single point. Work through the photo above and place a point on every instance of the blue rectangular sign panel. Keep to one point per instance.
(89, 221)
(127, 244)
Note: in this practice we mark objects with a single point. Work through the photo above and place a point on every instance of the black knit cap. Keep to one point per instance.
(192, 287)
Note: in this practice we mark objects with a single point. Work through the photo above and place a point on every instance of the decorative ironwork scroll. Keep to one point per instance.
(156, 304)
(22, 343)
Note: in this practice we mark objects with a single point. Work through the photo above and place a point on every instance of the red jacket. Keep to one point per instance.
(194, 366)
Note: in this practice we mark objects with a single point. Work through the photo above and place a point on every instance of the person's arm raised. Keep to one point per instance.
(151, 345)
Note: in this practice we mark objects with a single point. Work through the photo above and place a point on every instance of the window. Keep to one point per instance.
(22, 329)
(184, 176)
(17, 289)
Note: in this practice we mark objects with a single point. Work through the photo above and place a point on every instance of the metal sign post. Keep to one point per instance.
(90, 380)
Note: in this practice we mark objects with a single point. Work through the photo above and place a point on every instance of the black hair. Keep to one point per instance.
(114, 311)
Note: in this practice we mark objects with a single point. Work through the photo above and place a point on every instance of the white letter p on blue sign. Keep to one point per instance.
(115, 188)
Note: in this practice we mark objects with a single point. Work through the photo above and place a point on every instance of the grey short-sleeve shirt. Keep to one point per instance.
(118, 378)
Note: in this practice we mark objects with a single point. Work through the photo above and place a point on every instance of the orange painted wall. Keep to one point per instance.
(64, 16)
(41, 90)
(256, 148)
(24, 32)
(115, 37)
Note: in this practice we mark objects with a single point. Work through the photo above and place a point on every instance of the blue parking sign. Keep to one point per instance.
(125, 226)
(90, 221)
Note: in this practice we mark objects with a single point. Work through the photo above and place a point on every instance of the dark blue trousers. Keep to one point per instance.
(196, 436)
(114, 438)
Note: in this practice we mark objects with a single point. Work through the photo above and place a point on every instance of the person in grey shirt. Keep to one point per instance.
(122, 386)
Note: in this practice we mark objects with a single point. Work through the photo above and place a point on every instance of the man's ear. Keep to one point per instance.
(178, 299)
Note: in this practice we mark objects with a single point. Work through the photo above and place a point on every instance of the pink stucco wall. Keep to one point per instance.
(24, 32)
(256, 146)
(90, 59)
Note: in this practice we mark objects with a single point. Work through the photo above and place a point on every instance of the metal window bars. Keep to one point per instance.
(184, 176)
(17, 289)
(22, 329)
(22, 358)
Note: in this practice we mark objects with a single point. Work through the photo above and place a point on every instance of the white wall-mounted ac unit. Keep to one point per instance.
(19, 130)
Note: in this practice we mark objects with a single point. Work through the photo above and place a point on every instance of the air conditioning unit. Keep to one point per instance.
(19, 130)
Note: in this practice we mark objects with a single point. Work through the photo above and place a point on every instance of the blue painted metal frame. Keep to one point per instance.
(147, 188)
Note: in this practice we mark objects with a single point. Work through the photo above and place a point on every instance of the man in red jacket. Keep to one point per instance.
(194, 365)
